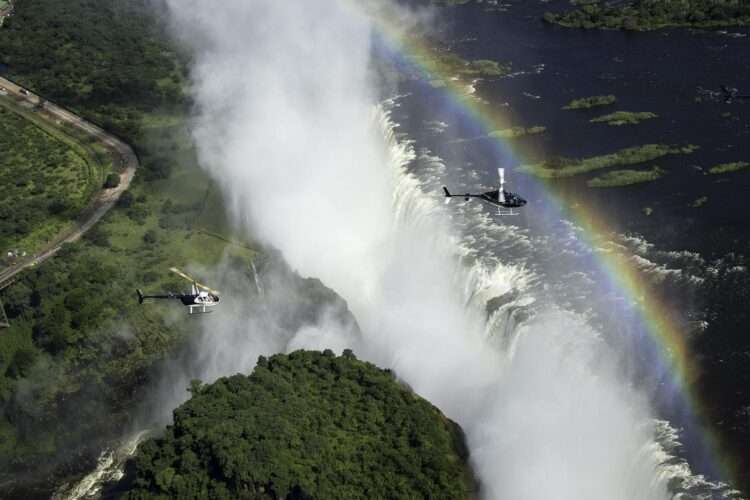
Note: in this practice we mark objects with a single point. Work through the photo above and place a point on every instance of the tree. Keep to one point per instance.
(17, 299)
(112, 181)
(22, 361)
(149, 237)
(98, 236)
(125, 200)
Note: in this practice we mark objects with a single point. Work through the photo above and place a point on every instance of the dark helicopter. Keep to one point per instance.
(500, 197)
(199, 298)
(731, 93)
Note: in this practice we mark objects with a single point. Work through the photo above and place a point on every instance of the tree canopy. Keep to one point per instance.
(304, 425)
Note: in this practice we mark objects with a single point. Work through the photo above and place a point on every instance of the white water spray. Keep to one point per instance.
(286, 126)
(109, 469)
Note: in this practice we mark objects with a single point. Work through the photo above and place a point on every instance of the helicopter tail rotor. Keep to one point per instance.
(448, 195)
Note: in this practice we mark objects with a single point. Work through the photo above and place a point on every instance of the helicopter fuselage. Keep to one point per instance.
(200, 300)
(510, 200)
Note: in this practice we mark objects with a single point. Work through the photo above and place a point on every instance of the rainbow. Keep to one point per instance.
(660, 323)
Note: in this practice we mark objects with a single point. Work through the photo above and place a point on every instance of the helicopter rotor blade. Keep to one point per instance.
(190, 279)
(501, 192)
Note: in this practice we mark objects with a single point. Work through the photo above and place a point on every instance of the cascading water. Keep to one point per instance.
(309, 171)
(109, 468)
(285, 125)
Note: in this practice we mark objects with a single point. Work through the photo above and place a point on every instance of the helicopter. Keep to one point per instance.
(504, 200)
(731, 93)
(199, 298)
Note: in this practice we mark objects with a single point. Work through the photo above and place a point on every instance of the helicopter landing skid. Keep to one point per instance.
(198, 309)
(509, 211)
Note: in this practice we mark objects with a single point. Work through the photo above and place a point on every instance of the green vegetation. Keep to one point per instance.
(304, 425)
(80, 350)
(567, 167)
(618, 178)
(45, 181)
(699, 202)
(79, 347)
(619, 118)
(107, 59)
(450, 63)
(518, 131)
(486, 67)
(724, 168)
(591, 102)
(643, 15)
(79, 343)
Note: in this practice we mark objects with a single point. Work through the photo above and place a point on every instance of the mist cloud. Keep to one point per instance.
(287, 122)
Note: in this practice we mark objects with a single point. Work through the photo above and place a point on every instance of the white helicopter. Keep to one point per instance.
(199, 298)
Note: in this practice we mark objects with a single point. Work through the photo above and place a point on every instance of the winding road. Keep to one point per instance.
(124, 161)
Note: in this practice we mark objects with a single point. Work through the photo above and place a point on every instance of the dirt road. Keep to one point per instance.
(123, 159)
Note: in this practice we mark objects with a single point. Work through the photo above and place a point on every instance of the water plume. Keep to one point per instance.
(288, 123)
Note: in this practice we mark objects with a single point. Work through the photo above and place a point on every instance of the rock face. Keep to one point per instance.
(304, 425)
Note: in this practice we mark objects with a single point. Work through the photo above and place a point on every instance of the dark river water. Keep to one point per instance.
(668, 72)
(661, 72)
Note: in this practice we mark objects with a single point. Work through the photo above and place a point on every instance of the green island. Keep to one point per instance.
(447, 63)
(619, 118)
(46, 177)
(699, 202)
(567, 167)
(517, 131)
(452, 64)
(645, 15)
(725, 168)
(304, 425)
(618, 178)
(590, 102)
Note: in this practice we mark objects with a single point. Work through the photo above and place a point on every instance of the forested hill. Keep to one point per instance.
(107, 59)
(654, 14)
(304, 425)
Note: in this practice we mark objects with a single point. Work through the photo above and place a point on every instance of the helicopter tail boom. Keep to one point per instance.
(142, 296)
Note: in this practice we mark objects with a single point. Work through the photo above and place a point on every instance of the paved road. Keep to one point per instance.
(124, 160)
